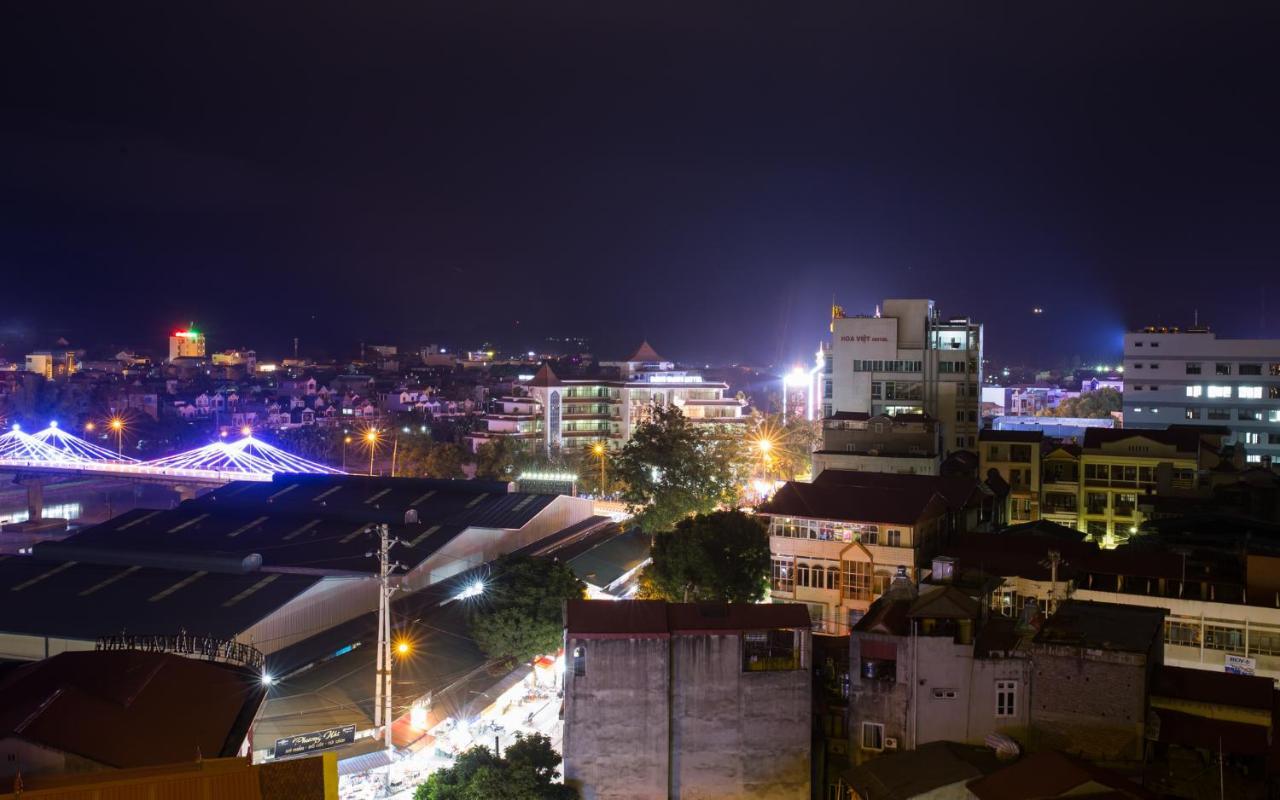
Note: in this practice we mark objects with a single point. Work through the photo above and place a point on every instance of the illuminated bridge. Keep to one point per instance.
(54, 452)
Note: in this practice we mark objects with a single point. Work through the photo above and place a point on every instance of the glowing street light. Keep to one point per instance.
(403, 648)
(600, 451)
(117, 424)
(371, 438)
(246, 431)
(89, 426)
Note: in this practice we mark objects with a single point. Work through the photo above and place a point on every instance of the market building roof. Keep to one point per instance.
(658, 618)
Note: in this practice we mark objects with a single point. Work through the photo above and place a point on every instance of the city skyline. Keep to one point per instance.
(624, 173)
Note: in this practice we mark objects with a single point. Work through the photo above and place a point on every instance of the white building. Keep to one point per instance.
(1194, 378)
(907, 360)
(573, 413)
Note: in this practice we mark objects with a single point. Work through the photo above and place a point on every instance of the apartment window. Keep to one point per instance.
(1220, 637)
(579, 661)
(1250, 392)
(1265, 643)
(1183, 634)
(1195, 391)
(959, 416)
(857, 580)
(1253, 459)
(1218, 413)
(1219, 391)
(1154, 366)
(770, 651)
(1273, 438)
(877, 390)
(1137, 344)
(1251, 437)
(833, 578)
(1250, 369)
(1193, 413)
(783, 579)
(802, 574)
(1193, 367)
(1096, 503)
(1221, 369)
(1125, 504)
(1006, 698)
(1155, 344)
(1138, 365)
(1273, 369)
(872, 736)
(1137, 409)
(1254, 414)
(1096, 530)
(893, 538)
(1273, 392)
(944, 694)
(1137, 387)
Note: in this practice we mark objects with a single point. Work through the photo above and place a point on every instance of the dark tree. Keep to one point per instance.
(719, 556)
(519, 616)
(670, 469)
(527, 771)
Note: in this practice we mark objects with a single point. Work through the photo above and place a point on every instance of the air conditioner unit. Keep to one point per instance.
(890, 743)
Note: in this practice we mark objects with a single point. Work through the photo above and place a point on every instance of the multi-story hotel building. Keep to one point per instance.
(572, 413)
(907, 359)
(1194, 378)
(186, 344)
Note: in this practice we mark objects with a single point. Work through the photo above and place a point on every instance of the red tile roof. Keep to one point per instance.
(900, 506)
(544, 377)
(658, 618)
(646, 355)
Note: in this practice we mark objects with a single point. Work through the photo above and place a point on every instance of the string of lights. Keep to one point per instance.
(246, 457)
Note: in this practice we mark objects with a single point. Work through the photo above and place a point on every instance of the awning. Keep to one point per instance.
(364, 763)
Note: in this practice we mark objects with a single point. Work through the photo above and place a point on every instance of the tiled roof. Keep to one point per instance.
(1185, 440)
(646, 354)
(1103, 626)
(1051, 774)
(902, 506)
(544, 377)
(1029, 437)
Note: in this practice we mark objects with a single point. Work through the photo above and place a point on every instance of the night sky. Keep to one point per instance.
(705, 175)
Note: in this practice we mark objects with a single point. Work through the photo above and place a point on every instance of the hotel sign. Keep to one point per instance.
(864, 338)
(318, 740)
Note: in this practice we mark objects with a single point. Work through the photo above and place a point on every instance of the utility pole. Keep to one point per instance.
(382, 687)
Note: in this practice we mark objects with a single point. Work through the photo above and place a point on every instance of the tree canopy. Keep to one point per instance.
(791, 441)
(526, 771)
(1097, 404)
(670, 469)
(519, 616)
(719, 556)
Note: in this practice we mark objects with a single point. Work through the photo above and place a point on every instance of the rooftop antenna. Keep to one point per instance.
(1197, 317)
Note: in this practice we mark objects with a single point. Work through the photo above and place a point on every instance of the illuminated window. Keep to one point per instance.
(1222, 369)
(1195, 391)
(1219, 391)
(1250, 437)
(1193, 413)
(1250, 392)
(1254, 414)
(579, 661)
(1253, 459)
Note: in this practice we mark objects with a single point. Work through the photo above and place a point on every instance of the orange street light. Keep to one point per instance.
(117, 424)
(371, 437)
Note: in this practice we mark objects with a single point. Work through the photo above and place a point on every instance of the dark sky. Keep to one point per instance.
(706, 175)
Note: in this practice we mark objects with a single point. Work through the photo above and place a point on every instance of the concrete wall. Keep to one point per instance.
(907, 465)
(615, 719)
(1090, 702)
(955, 694)
(735, 733)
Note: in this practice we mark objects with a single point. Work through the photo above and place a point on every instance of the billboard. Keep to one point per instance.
(1239, 665)
(317, 740)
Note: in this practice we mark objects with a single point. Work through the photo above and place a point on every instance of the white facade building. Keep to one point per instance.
(907, 360)
(575, 413)
(1194, 378)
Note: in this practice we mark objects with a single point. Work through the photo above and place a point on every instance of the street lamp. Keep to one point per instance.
(371, 438)
(600, 451)
(117, 424)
